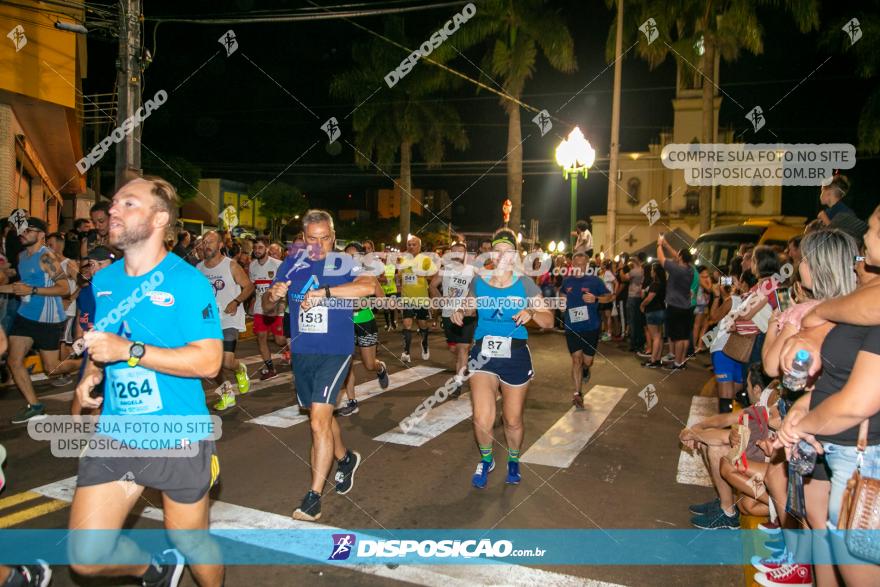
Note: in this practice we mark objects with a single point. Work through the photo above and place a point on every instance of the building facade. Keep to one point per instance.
(41, 69)
(203, 211)
(642, 177)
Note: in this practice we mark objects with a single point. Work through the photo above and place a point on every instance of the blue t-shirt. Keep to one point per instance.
(574, 288)
(323, 330)
(170, 307)
(496, 307)
(85, 308)
(45, 309)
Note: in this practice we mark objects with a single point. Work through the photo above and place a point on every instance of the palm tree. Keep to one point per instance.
(695, 31)
(515, 30)
(398, 119)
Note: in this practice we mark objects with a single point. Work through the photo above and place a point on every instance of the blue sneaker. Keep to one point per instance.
(481, 475)
(706, 508)
(513, 476)
(716, 521)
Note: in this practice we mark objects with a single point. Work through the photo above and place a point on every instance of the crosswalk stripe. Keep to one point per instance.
(32, 512)
(691, 468)
(560, 445)
(227, 516)
(437, 421)
(12, 500)
(290, 416)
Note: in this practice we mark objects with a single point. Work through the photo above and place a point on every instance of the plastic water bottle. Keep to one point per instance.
(796, 379)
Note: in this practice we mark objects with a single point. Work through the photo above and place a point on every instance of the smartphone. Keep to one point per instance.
(782, 406)
(783, 299)
(726, 280)
(859, 259)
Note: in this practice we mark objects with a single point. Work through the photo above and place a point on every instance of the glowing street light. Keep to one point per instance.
(552, 247)
(518, 237)
(560, 248)
(397, 238)
(575, 155)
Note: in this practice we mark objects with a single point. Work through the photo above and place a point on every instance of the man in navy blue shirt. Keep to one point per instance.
(583, 291)
(321, 345)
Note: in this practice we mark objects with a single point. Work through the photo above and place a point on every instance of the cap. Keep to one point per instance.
(102, 254)
(38, 223)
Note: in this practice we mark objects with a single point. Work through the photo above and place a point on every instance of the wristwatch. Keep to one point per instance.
(135, 353)
(34, 290)
(327, 291)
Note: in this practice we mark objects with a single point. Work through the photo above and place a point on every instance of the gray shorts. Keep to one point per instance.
(230, 339)
(182, 479)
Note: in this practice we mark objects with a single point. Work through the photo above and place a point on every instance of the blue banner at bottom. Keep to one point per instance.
(442, 546)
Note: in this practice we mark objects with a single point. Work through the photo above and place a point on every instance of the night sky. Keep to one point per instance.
(233, 121)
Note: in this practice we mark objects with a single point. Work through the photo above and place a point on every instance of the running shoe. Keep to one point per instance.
(165, 572)
(267, 373)
(675, 367)
(705, 508)
(776, 546)
(286, 356)
(577, 400)
(382, 376)
(667, 358)
(310, 508)
(771, 528)
(513, 476)
(2, 459)
(36, 575)
(771, 563)
(29, 412)
(793, 574)
(643, 355)
(350, 408)
(605, 337)
(406, 358)
(61, 381)
(716, 521)
(426, 353)
(227, 397)
(652, 364)
(481, 475)
(242, 378)
(345, 472)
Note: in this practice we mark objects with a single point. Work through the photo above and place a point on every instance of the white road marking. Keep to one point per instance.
(227, 516)
(564, 441)
(436, 421)
(691, 468)
(290, 416)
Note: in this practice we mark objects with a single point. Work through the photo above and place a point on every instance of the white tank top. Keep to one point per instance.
(262, 276)
(456, 281)
(225, 290)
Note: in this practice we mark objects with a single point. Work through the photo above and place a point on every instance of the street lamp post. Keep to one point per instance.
(575, 155)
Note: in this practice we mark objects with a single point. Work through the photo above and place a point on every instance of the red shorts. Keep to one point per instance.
(273, 324)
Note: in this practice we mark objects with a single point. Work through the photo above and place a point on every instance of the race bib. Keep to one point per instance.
(410, 279)
(580, 314)
(314, 321)
(135, 390)
(496, 347)
(455, 292)
(262, 288)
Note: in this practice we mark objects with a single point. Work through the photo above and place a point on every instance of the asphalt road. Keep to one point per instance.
(612, 467)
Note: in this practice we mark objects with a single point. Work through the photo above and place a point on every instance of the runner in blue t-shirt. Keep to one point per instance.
(157, 334)
(321, 342)
(500, 358)
(583, 291)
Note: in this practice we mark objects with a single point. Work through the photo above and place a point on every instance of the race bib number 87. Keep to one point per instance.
(135, 390)
(496, 347)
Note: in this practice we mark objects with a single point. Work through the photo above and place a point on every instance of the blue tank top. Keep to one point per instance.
(45, 309)
(496, 307)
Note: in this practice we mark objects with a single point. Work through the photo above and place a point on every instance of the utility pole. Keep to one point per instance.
(611, 228)
(128, 84)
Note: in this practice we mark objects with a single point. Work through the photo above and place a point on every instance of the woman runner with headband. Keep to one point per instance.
(500, 357)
